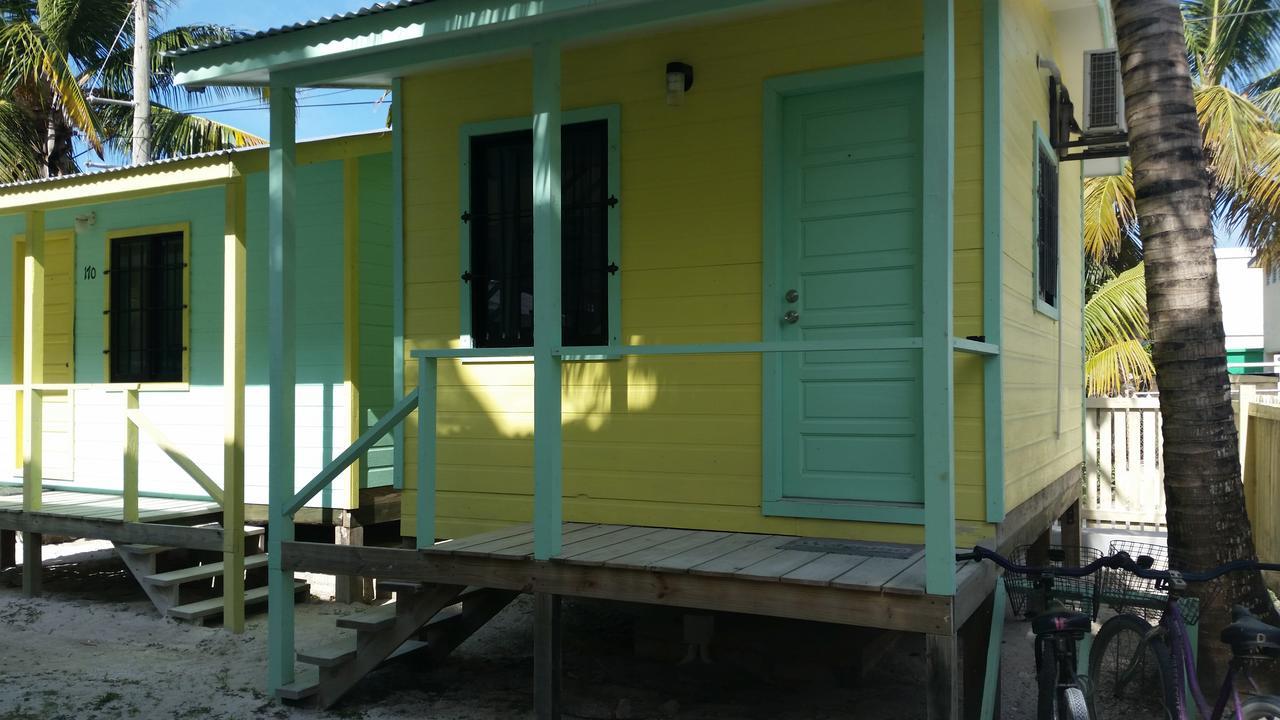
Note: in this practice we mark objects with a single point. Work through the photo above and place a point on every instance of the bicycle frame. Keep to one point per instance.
(1184, 669)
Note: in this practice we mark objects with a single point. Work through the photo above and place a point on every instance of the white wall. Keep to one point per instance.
(1241, 290)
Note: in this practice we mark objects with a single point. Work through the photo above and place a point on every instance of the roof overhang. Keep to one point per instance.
(371, 49)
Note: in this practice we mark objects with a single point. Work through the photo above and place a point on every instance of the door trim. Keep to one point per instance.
(772, 501)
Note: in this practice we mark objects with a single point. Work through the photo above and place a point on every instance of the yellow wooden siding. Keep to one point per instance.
(1042, 425)
(663, 441)
(59, 346)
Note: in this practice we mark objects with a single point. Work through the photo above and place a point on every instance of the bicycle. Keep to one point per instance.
(1141, 670)
(1062, 604)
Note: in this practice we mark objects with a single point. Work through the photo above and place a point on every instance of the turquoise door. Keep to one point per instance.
(850, 251)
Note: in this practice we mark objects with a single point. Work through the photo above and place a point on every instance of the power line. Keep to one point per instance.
(314, 105)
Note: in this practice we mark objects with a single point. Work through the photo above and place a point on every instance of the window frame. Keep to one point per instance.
(1040, 147)
(126, 233)
(612, 115)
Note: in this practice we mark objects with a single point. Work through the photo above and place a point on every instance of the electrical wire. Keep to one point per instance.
(119, 33)
(300, 107)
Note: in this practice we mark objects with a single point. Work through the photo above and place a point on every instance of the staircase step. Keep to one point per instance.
(330, 655)
(249, 531)
(201, 572)
(371, 620)
(305, 684)
(213, 606)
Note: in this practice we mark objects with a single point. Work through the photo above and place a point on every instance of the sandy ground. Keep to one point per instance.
(93, 648)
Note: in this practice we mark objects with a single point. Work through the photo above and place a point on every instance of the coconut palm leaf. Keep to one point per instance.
(112, 72)
(1233, 129)
(19, 143)
(1255, 209)
(1110, 219)
(1116, 332)
(28, 59)
(174, 133)
(1116, 368)
(1231, 39)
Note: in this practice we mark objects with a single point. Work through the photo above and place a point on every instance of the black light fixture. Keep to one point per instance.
(679, 81)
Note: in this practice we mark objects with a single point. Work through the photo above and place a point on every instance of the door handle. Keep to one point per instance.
(791, 317)
(792, 296)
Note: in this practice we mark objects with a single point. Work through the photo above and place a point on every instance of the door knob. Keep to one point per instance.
(792, 296)
(791, 317)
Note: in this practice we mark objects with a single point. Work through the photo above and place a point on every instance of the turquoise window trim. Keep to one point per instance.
(1040, 142)
(610, 113)
(774, 91)
(993, 257)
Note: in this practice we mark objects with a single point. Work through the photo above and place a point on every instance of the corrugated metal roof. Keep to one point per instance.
(285, 29)
(125, 168)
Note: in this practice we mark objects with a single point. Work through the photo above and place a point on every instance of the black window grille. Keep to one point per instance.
(501, 227)
(1047, 232)
(146, 306)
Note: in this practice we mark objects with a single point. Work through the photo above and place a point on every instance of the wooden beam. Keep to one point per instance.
(1026, 522)
(993, 256)
(33, 400)
(547, 655)
(938, 361)
(351, 313)
(234, 291)
(8, 549)
(397, 273)
(162, 441)
(180, 536)
(548, 444)
(942, 675)
(425, 531)
(911, 613)
(130, 457)
(282, 371)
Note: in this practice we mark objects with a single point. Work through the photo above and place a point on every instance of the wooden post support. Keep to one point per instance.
(547, 655)
(281, 373)
(942, 677)
(1248, 396)
(233, 374)
(426, 497)
(937, 355)
(130, 500)
(991, 678)
(1072, 533)
(33, 400)
(547, 442)
(350, 588)
(8, 549)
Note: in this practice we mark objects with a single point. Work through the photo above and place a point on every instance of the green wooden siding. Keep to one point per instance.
(376, 362)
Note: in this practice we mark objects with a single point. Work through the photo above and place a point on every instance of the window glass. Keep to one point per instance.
(146, 308)
(1046, 227)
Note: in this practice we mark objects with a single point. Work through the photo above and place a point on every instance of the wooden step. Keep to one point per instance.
(249, 531)
(304, 685)
(331, 655)
(201, 572)
(213, 606)
(371, 620)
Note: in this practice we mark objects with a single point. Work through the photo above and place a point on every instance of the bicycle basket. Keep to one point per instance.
(1079, 594)
(1128, 593)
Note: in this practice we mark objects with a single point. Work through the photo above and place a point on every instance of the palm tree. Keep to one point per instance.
(1115, 335)
(57, 54)
(1174, 203)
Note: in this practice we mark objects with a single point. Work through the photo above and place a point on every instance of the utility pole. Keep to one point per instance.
(141, 81)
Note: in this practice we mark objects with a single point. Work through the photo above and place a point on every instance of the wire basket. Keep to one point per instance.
(1128, 593)
(1079, 594)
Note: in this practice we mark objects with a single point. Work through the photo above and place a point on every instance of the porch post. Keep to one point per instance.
(233, 369)
(939, 405)
(32, 401)
(397, 273)
(547, 481)
(992, 257)
(282, 370)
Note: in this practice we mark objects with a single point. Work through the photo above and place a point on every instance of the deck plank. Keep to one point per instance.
(703, 553)
(643, 559)
(730, 563)
(525, 549)
(773, 568)
(875, 572)
(824, 569)
(582, 546)
(908, 582)
(602, 555)
(484, 537)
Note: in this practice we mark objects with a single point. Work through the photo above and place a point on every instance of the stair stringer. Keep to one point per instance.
(142, 565)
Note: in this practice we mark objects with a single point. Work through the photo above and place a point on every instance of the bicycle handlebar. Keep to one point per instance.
(1119, 561)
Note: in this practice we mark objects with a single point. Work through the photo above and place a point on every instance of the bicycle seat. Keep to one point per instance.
(1060, 621)
(1247, 635)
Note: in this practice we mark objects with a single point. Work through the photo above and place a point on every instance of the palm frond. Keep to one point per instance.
(1110, 216)
(20, 158)
(1231, 39)
(175, 133)
(112, 73)
(1113, 369)
(1117, 312)
(28, 58)
(1254, 208)
(1233, 129)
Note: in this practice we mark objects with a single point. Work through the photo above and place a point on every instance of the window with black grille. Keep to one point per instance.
(501, 235)
(1047, 227)
(146, 308)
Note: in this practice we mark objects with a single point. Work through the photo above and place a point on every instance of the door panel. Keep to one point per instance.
(850, 246)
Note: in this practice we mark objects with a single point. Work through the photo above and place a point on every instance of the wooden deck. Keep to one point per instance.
(109, 507)
(847, 582)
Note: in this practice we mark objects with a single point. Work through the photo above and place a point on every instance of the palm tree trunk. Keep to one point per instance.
(1206, 508)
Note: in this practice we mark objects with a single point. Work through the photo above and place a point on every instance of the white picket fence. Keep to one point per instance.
(1123, 477)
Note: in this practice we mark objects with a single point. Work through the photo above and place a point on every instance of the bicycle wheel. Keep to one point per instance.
(1046, 680)
(1073, 705)
(1126, 683)
(1261, 708)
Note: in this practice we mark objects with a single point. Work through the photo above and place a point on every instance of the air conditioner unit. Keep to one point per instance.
(1103, 93)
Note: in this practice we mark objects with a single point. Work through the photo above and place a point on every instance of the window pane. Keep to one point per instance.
(146, 308)
(1048, 229)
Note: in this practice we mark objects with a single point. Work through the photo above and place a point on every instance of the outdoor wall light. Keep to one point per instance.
(679, 81)
(84, 222)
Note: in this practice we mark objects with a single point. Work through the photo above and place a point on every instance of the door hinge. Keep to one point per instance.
(612, 268)
(466, 276)
(612, 202)
(466, 216)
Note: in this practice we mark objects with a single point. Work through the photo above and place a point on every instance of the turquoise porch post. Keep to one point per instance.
(938, 371)
(992, 257)
(281, 375)
(547, 445)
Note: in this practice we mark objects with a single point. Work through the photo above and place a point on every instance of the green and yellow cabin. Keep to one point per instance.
(804, 269)
(136, 318)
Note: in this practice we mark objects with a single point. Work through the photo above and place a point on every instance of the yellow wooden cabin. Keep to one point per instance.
(808, 302)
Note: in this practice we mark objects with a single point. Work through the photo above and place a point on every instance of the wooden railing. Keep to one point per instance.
(1123, 477)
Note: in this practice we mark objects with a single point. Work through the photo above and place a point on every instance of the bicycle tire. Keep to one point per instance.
(1261, 708)
(1147, 694)
(1073, 705)
(1046, 681)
